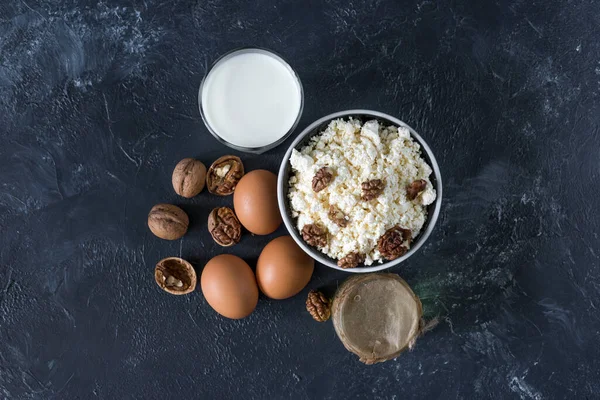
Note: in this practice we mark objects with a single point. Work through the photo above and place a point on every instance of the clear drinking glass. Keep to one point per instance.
(212, 129)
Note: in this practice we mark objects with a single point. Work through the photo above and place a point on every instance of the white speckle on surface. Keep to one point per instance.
(523, 389)
(82, 83)
(528, 130)
(527, 199)
(564, 318)
(535, 28)
(578, 48)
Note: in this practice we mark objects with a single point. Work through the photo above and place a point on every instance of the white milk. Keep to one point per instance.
(251, 99)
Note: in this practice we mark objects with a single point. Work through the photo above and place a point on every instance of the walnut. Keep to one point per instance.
(224, 174)
(406, 234)
(318, 305)
(415, 188)
(189, 177)
(337, 216)
(175, 275)
(315, 235)
(167, 221)
(351, 260)
(224, 227)
(322, 179)
(391, 244)
(371, 189)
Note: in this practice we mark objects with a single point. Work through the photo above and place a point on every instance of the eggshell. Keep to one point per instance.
(255, 202)
(229, 286)
(283, 269)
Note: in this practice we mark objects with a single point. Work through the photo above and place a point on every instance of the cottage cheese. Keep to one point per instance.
(357, 153)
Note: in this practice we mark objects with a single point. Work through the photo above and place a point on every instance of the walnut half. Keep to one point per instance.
(391, 244)
(372, 189)
(351, 260)
(322, 179)
(224, 174)
(318, 306)
(315, 235)
(175, 275)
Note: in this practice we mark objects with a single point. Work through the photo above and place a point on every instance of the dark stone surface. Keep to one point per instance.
(98, 103)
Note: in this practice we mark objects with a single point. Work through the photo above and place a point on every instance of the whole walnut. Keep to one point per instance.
(189, 177)
(168, 222)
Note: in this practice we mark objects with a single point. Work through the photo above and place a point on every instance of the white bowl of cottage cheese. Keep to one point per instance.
(359, 191)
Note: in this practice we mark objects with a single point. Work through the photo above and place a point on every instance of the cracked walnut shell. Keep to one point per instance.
(175, 275)
(224, 227)
(318, 306)
(224, 174)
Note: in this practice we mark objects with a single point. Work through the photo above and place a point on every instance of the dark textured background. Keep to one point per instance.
(98, 103)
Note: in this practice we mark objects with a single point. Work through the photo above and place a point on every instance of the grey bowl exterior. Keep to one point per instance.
(315, 128)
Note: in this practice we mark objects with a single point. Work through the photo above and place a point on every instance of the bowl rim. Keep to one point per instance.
(316, 254)
(226, 56)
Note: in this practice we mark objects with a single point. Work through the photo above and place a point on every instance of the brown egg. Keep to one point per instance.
(229, 286)
(255, 202)
(283, 269)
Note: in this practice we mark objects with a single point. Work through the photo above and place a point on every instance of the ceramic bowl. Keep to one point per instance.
(433, 210)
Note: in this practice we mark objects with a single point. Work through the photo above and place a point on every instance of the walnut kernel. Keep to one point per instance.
(372, 189)
(322, 179)
(391, 244)
(414, 189)
(318, 306)
(337, 216)
(351, 260)
(315, 235)
(224, 227)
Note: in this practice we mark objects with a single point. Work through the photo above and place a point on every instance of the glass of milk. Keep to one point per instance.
(251, 99)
